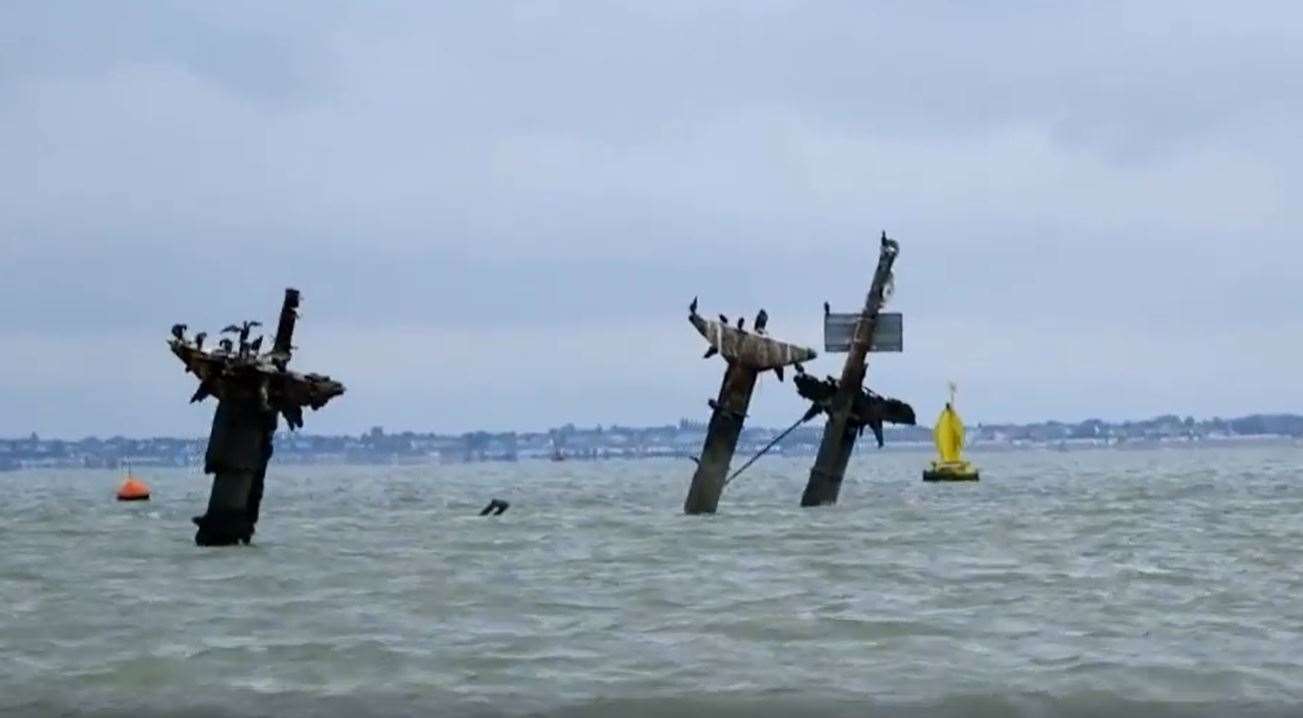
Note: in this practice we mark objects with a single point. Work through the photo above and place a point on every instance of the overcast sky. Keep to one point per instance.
(497, 212)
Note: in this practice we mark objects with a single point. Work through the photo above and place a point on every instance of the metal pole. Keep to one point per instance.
(726, 422)
(839, 436)
(748, 354)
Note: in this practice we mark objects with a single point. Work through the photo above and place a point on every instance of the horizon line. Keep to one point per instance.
(605, 427)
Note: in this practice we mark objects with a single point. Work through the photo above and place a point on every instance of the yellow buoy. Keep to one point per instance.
(133, 489)
(949, 437)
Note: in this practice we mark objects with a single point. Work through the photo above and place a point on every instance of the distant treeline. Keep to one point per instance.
(572, 442)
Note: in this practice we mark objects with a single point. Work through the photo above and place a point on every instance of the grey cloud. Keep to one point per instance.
(269, 52)
(474, 169)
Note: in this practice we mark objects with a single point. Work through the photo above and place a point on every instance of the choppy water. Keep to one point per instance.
(1156, 582)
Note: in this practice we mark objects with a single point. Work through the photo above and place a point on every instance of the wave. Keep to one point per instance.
(729, 705)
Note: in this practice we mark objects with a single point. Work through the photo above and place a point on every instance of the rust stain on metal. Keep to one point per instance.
(756, 351)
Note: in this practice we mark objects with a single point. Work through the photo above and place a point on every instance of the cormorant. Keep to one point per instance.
(178, 332)
(256, 346)
(740, 322)
(723, 319)
(226, 345)
(244, 331)
(199, 340)
(762, 321)
(231, 329)
(827, 309)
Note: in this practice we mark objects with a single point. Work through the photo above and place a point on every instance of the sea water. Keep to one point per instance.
(1099, 582)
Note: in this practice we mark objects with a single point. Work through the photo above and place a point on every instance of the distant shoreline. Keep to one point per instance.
(377, 447)
(910, 447)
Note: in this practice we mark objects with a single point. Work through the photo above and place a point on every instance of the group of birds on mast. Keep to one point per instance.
(758, 326)
(240, 348)
(868, 408)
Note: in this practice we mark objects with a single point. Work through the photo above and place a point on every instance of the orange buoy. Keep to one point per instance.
(133, 489)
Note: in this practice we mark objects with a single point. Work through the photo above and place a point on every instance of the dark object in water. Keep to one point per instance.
(495, 507)
(251, 391)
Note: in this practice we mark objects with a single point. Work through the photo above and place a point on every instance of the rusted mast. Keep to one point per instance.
(251, 387)
(839, 433)
(747, 354)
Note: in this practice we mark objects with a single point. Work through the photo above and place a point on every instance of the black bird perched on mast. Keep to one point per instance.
(199, 340)
(740, 322)
(827, 309)
(245, 327)
(762, 321)
(178, 331)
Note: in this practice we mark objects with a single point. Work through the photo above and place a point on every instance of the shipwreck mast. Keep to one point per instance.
(747, 354)
(842, 427)
(251, 387)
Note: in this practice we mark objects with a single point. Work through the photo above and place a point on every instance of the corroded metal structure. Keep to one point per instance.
(848, 406)
(252, 388)
(747, 354)
(868, 409)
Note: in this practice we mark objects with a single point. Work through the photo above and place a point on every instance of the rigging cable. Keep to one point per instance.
(813, 412)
